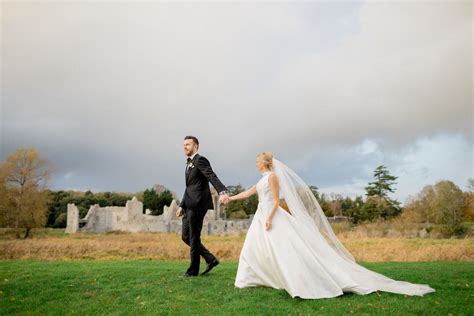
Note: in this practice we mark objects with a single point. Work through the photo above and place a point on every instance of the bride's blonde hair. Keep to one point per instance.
(266, 157)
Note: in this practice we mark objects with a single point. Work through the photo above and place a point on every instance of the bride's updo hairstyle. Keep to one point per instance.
(266, 157)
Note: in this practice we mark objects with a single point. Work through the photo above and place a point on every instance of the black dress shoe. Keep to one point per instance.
(210, 265)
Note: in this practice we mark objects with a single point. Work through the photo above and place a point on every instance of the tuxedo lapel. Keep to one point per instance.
(188, 169)
(186, 173)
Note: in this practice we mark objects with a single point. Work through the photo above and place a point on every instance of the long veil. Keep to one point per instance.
(305, 208)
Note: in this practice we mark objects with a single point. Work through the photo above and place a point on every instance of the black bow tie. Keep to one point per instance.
(189, 160)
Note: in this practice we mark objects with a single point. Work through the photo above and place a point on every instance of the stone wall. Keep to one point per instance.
(72, 219)
(130, 218)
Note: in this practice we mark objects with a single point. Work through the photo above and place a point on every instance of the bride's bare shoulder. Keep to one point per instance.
(272, 177)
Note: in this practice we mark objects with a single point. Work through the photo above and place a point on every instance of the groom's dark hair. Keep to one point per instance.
(195, 140)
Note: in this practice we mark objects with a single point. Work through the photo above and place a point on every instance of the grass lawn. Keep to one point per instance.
(154, 287)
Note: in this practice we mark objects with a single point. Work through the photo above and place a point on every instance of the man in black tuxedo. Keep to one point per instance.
(197, 199)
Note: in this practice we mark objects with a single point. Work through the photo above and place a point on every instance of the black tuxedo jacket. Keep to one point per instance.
(197, 195)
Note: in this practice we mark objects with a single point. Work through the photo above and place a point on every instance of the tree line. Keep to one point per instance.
(26, 202)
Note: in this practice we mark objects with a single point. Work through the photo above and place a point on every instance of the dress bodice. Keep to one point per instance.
(264, 192)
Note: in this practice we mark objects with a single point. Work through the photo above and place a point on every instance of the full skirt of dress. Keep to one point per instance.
(290, 257)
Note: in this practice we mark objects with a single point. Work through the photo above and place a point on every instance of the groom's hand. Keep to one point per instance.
(224, 198)
(179, 212)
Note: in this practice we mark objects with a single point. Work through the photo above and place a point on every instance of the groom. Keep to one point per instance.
(196, 201)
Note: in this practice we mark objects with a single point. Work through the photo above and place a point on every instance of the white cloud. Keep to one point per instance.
(426, 161)
(433, 159)
(367, 147)
(68, 175)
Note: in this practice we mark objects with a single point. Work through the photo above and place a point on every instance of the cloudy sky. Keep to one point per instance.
(107, 90)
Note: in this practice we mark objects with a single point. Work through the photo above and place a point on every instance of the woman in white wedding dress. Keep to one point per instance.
(297, 250)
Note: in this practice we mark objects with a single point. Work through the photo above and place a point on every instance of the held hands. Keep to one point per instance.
(224, 198)
(179, 212)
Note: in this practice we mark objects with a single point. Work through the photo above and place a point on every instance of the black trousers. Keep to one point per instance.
(191, 235)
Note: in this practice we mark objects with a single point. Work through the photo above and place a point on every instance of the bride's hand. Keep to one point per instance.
(228, 200)
(268, 223)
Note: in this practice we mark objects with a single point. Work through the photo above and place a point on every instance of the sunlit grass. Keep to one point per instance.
(150, 287)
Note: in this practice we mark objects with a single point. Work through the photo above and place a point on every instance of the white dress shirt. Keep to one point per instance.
(190, 157)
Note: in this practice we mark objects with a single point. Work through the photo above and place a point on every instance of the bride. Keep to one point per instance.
(297, 250)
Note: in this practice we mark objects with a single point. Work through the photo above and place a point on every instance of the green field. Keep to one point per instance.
(154, 287)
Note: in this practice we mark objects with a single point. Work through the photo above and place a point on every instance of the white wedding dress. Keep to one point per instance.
(294, 257)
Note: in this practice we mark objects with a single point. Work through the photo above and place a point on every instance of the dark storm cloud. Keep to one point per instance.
(108, 90)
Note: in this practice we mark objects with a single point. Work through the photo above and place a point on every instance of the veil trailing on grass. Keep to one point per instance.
(305, 208)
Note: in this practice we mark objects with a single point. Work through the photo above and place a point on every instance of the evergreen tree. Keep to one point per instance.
(383, 183)
(379, 204)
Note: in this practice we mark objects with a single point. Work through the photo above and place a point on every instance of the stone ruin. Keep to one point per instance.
(130, 218)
